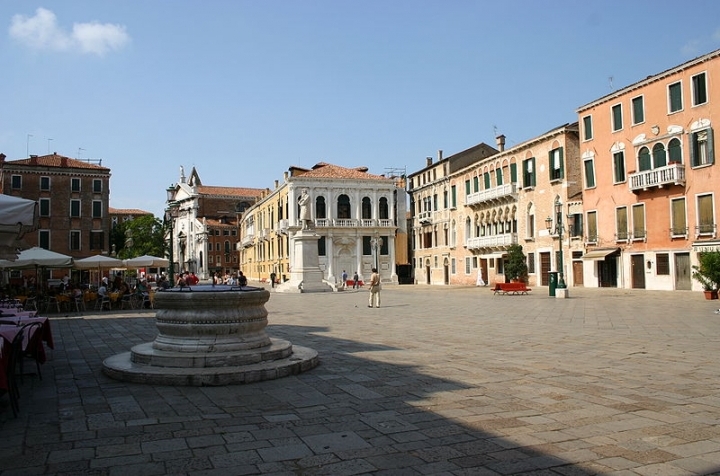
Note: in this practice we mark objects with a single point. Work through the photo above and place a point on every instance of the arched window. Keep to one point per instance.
(530, 221)
(644, 159)
(453, 235)
(675, 151)
(366, 209)
(467, 229)
(343, 207)
(227, 246)
(659, 158)
(320, 207)
(384, 209)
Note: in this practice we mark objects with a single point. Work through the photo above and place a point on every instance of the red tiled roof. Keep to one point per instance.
(232, 191)
(324, 170)
(55, 160)
(230, 223)
(127, 211)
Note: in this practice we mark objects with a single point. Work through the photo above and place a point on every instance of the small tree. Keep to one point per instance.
(708, 271)
(516, 264)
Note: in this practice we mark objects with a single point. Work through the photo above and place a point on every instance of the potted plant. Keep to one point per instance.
(516, 264)
(707, 273)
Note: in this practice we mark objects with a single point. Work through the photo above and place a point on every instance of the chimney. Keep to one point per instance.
(428, 161)
(63, 162)
(33, 159)
(277, 183)
(285, 176)
(439, 155)
(500, 142)
(2, 158)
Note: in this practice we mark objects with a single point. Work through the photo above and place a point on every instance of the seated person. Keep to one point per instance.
(103, 290)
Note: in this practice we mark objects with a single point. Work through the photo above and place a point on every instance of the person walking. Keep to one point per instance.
(273, 277)
(375, 288)
(344, 279)
(356, 278)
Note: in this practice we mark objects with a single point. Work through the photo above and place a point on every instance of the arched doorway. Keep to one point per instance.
(427, 271)
(446, 271)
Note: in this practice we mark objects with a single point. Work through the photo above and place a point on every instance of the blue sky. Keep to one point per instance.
(242, 90)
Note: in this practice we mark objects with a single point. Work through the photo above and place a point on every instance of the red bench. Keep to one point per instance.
(511, 288)
(350, 283)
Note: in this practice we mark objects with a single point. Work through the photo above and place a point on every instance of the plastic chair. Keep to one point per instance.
(127, 301)
(102, 303)
(79, 302)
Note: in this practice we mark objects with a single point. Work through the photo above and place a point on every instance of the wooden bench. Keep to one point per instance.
(511, 288)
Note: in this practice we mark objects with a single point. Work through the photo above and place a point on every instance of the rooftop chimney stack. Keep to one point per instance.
(439, 155)
(428, 161)
(500, 142)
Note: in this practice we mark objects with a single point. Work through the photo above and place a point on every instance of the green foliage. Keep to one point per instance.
(144, 235)
(516, 263)
(708, 271)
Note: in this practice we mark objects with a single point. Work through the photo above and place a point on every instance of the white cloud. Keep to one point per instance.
(42, 32)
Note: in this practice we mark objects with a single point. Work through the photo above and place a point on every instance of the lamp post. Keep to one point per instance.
(559, 229)
(375, 243)
(170, 218)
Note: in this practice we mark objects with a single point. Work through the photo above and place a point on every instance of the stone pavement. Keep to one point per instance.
(439, 380)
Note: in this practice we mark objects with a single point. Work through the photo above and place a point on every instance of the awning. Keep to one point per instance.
(599, 254)
(705, 246)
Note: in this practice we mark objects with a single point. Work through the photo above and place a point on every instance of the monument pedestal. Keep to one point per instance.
(305, 274)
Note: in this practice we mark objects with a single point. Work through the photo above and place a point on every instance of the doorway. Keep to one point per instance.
(545, 269)
(446, 272)
(427, 272)
(577, 267)
(637, 271)
(682, 272)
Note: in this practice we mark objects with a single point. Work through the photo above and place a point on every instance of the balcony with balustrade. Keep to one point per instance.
(506, 191)
(673, 174)
(248, 240)
(282, 226)
(491, 241)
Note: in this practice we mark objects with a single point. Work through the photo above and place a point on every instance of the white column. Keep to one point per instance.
(329, 256)
(358, 256)
(391, 250)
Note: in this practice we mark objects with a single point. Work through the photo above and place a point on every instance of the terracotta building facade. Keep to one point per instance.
(649, 185)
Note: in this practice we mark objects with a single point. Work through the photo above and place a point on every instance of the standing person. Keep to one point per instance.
(273, 277)
(480, 280)
(356, 278)
(344, 279)
(375, 288)
(242, 280)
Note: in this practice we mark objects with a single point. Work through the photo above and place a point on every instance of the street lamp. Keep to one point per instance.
(170, 212)
(376, 243)
(558, 230)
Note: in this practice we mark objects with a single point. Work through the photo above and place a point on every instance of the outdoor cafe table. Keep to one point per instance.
(8, 333)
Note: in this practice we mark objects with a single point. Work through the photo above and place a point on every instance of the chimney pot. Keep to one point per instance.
(500, 142)
(440, 155)
(428, 161)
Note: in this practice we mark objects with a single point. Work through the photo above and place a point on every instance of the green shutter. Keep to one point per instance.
(710, 147)
(453, 197)
(486, 176)
(467, 187)
(644, 161)
(513, 173)
(476, 184)
(533, 178)
(498, 177)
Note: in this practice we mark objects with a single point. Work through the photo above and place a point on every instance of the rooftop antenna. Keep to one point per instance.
(79, 149)
(495, 131)
(610, 79)
(27, 148)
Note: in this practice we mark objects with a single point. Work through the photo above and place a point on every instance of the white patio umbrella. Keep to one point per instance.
(99, 262)
(147, 261)
(38, 257)
(17, 217)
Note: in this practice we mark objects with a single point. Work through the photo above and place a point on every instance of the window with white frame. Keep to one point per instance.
(701, 147)
(638, 217)
(705, 215)
(75, 184)
(678, 217)
(75, 208)
(621, 224)
(644, 159)
(45, 183)
(638, 110)
(453, 270)
(531, 263)
(592, 236)
(589, 169)
(467, 265)
(699, 89)
(529, 172)
(97, 185)
(675, 99)
(75, 240)
(659, 155)
(530, 228)
(44, 239)
(617, 117)
(587, 128)
(619, 167)
(44, 207)
(675, 151)
(556, 164)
